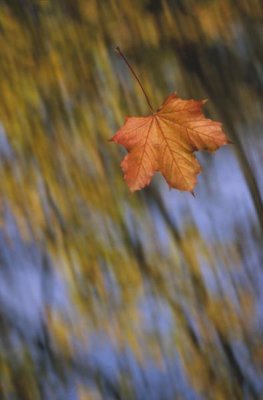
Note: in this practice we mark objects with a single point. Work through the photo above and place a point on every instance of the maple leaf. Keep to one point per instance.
(165, 141)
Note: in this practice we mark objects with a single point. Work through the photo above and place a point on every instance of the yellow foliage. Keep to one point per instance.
(88, 394)
(63, 93)
(59, 331)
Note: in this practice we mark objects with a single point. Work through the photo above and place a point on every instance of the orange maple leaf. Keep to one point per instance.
(165, 142)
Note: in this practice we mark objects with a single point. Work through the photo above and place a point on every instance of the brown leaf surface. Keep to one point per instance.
(165, 141)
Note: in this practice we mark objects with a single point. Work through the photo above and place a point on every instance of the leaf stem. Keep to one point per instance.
(135, 76)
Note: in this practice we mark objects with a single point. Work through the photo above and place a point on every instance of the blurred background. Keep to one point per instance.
(106, 294)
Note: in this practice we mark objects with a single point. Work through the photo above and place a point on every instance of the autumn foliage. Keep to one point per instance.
(165, 141)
